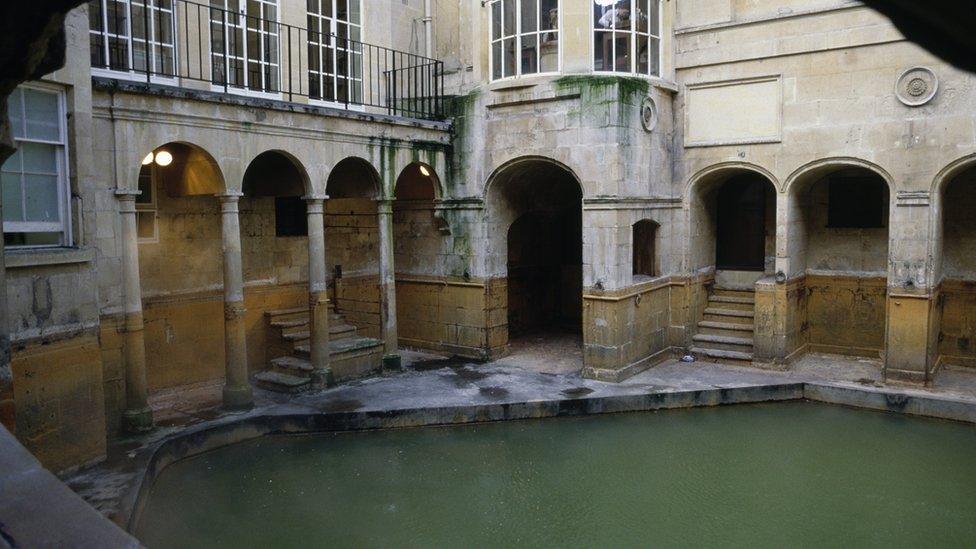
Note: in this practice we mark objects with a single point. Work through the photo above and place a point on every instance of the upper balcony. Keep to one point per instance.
(243, 48)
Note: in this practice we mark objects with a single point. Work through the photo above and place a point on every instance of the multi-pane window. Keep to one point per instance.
(35, 179)
(627, 36)
(244, 40)
(133, 36)
(524, 37)
(335, 53)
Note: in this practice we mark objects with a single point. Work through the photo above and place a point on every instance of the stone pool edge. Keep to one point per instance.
(231, 430)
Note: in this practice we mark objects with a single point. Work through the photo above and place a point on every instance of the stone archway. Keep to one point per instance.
(535, 233)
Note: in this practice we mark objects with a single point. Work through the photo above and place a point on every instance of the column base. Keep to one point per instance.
(322, 379)
(238, 398)
(912, 377)
(137, 421)
(392, 363)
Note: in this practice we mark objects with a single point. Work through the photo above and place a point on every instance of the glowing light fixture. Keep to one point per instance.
(424, 171)
(148, 159)
(164, 158)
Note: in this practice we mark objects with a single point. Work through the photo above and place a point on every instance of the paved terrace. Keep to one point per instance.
(530, 375)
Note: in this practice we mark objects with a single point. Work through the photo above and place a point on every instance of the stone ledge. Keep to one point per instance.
(100, 83)
(20, 259)
(38, 510)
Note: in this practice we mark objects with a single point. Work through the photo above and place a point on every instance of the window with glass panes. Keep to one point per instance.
(35, 179)
(335, 53)
(244, 44)
(627, 36)
(524, 37)
(120, 40)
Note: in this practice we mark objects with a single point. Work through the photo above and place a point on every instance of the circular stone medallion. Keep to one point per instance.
(648, 114)
(916, 86)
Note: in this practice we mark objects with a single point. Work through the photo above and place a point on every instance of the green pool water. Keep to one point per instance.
(771, 475)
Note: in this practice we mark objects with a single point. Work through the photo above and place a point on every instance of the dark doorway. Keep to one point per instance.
(740, 224)
(544, 273)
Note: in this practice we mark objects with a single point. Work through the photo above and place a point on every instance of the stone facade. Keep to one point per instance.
(429, 226)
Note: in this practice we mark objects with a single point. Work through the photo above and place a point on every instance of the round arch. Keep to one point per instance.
(813, 171)
(523, 165)
(184, 169)
(412, 183)
(353, 177)
(272, 163)
(717, 173)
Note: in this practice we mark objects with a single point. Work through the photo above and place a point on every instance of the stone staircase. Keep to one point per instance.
(725, 331)
(290, 370)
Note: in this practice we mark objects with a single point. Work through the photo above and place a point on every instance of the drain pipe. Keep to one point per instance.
(428, 36)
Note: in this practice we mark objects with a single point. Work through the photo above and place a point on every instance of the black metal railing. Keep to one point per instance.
(179, 42)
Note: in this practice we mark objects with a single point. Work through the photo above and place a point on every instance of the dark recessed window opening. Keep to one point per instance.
(290, 216)
(856, 203)
(645, 234)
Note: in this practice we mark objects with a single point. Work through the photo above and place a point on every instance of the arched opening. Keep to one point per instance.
(536, 207)
(958, 288)
(274, 223)
(733, 236)
(734, 226)
(644, 244)
(352, 245)
(838, 241)
(180, 266)
(420, 256)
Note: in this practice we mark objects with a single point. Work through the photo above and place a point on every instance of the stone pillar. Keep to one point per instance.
(388, 326)
(237, 388)
(912, 323)
(137, 416)
(318, 291)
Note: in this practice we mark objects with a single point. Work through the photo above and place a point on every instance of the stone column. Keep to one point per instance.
(318, 291)
(137, 416)
(912, 323)
(388, 326)
(237, 388)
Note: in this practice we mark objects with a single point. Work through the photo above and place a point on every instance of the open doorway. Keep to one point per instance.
(536, 207)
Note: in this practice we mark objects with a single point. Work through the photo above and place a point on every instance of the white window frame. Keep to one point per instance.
(241, 25)
(63, 226)
(334, 22)
(134, 73)
(518, 42)
(633, 43)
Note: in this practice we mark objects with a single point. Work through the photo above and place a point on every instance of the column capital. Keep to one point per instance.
(315, 197)
(127, 200)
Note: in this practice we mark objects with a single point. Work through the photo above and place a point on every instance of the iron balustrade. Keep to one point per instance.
(240, 53)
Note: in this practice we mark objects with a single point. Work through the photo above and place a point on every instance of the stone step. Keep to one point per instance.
(295, 322)
(340, 346)
(732, 292)
(724, 343)
(716, 314)
(281, 382)
(716, 355)
(296, 313)
(287, 364)
(336, 332)
(732, 329)
(732, 302)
